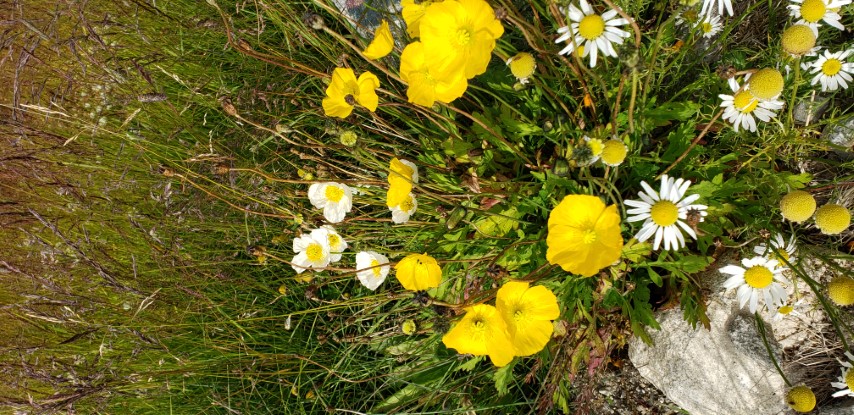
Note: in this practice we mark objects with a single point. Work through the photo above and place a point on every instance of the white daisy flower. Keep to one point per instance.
(758, 276)
(812, 12)
(592, 32)
(707, 7)
(337, 244)
(787, 310)
(784, 250)
(335, 199)
(373, 269)
(832, 70)
(688, 17)
(710, 26)
(310, 252)
(663, 211)
(402, 212)
(740, 107)
(846, 381)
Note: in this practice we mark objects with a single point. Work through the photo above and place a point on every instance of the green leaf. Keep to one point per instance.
(654, 276)
(498, 225)
(503, 376)
(635, 251)
(661, 114)
(470, 364)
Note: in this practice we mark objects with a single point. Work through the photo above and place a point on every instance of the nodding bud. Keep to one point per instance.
(500, 13)
(561, 167)
(349, 99)
(313, 20)
(228, 107)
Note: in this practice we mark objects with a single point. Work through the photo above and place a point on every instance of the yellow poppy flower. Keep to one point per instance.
(584, 235)
(413, 11)
(382, 44)
(345, 91)
(402, 174)
(459, 34)
(528, 312)
(425, 88)
(482, 331)
(418, 272)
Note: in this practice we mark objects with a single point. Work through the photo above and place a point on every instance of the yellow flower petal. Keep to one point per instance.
(400, 182)
(528, 312)
(343, 83)
(382, 44)
(481, 331)
(418, 272)
(459, 35)
(367, 95)
(424, 87)
(584, 236)
(413, 11)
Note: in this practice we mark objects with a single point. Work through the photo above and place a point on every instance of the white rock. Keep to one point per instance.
(718, 372)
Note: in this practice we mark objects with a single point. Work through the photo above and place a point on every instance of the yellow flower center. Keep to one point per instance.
(376, 269)
(596, 146)
(523, 65)
(333, 193)
(589, 237)
(463, 37)
(831, 67)
(813, 10)
(745, 102)
(785, 310)
(591, 26)
(519, 314)
(478, 326)
(614, 152)
(832, 219)
(314, 252)
(798, 39)
(783, 256)
(766, 83)
(690, 15)
(801, 399)
(664, 213)
(797, 206)
(407, 204)
(707, 27)
(334, 241)
(849, 379)
(758, 276)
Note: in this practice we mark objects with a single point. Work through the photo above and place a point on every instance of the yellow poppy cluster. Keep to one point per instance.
(456, 39)
(520, 324)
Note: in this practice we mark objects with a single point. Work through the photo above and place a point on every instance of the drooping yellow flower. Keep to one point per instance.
(459, 34)
(584, 235)
(425, 88)
(401, 175)
(528, 312)
(482, 331)
(382, 44)
(345, 91)
(418, 272)
(413, 11)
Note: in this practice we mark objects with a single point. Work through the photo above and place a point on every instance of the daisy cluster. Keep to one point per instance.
(324, 246)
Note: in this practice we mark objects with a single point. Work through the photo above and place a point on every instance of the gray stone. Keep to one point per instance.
(841, 135)
(809, 111)
(844, 408)
(707, 372)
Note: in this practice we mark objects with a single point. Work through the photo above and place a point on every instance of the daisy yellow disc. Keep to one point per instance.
(832, 219)
(797, 206)
(841, 291)
(766, 83)
(798, 39)
(801, 399)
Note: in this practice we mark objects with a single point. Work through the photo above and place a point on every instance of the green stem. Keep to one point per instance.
(760, 325)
